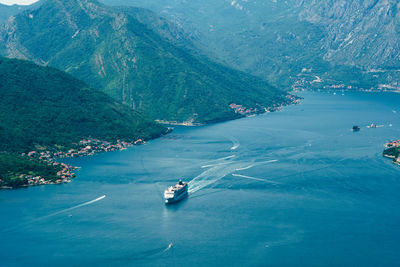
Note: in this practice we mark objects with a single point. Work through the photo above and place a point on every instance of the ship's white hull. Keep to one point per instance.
(177, 198)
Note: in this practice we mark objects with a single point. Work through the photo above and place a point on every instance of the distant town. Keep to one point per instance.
(86, 147)
(242, 110)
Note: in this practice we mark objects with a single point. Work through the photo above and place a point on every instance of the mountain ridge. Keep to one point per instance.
(42, 106)
(350, 44)
(46, 113)
(363, 33)
(110, 49)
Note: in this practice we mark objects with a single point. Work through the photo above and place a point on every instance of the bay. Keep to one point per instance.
(295, 187)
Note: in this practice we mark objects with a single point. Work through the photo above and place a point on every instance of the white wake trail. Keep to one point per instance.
(235, 144)
(211, 176)
(214, 162)
(257, 163)
(268, 161)
(55, 213)
(228, 157)
(217, 171)
(245, 168)
(214, 165)
(169, 247)
(254, 178)
(76, 207)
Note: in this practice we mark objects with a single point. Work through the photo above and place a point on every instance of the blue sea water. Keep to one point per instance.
(291, 188)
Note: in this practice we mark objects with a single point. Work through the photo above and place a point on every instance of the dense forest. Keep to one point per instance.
(392, 152)
(14, 169)
(133, 56)
(42, 108)
(139, 61)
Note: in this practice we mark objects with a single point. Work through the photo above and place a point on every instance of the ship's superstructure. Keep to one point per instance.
(176, 193)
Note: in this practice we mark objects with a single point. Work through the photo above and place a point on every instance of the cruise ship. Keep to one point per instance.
(176, 193)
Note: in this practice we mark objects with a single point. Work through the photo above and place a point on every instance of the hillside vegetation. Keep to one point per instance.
(135, 57)
(13, 168)
(41, 106)
(345, 43)
(44, 109)
(6, 11)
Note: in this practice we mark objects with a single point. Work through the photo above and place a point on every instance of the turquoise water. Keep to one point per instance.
(296, 187)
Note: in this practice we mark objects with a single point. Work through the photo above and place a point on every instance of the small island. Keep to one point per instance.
(393, 151)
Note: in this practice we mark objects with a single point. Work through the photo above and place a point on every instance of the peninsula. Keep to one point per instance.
(47, 114)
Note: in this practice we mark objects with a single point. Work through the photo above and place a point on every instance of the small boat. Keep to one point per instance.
(356, 128)
(176, 193)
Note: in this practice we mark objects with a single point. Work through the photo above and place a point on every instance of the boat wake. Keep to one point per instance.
(169, 247)
(75, 207)
(55, 213)
(228, 157)
(219, 170)
(245, 168)
(254, 178)
(210, 176)
(144, 255)
(235, 143)
(256, 164)
(214, 165)
(268, 161)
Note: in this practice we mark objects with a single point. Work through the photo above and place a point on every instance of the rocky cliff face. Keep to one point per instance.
(134, 56)
(341, 41)
(363, 33)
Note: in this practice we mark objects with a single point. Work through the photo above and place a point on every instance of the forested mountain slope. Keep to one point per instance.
(44, 107)
(136, 58)
(352, 43)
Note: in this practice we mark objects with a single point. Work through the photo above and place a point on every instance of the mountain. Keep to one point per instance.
(364, 33)
(44, 107)
(290, 42)
(7, 11)
(243, 38)
(136, 57)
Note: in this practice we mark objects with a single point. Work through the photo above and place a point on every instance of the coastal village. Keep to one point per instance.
(86, 147)
(393, 144)
(91, 146)
(242, 110)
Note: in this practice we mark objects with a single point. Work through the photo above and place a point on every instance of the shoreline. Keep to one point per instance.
(176, 123)
(392, 150)
(343, 90)
(84, 148)
(91, 146)
(241, 111)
